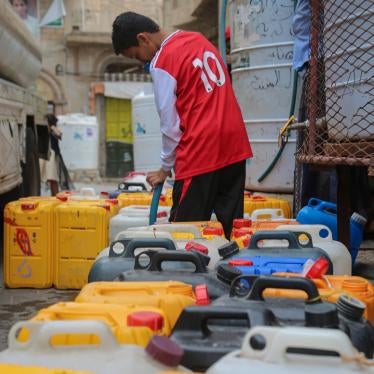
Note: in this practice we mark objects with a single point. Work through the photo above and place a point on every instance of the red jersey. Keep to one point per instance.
(201, 122)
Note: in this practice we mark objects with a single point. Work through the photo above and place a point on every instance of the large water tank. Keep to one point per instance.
(80, 142)
(262, 77)
(349, 51)
(146, 131)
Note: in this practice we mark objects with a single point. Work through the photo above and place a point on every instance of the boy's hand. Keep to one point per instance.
(157, 177)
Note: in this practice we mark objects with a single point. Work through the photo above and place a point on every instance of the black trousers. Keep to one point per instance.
(220, 191)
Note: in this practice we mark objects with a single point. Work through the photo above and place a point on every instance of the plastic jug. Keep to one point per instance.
(274, 349)
(107, 357)
(267, 214)
(121, 257)
(185, 233)
(207, 333)
(169, 296)
(21, 369)
(155, 271)
(253, 202)
(299, 245)
(130, 324)
(322, 237)
(325, 213)
(134, 216)
(330, 288)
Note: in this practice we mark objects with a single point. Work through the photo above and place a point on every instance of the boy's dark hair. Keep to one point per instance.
(51, 119)
(127, 26)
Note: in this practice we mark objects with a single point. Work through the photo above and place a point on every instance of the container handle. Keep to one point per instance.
(42, 332)
(185, 228)
(303, 284)
(318, 233)
(272, 213)
(291, 237)
(118, 249)
(157, 258)
(279, 339)
(133, 234)
(322, 205)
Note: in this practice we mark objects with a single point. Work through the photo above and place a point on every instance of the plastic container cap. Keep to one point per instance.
(318, 269)
(239, 223)
(238, 233)
(213, 231)
(240, 262)
(192, 246)
(164, 350)
(201, 294)
(361, 220)
(153, 320)
(228, 250)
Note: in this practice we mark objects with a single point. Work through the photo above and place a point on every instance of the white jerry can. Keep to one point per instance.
(322, 238)
(184, 234)
(106, 357)
(134, 216)
(267, 349)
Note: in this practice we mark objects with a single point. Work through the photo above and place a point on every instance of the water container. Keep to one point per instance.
(154, 272)
(276, 349)
(299, 245)
(184, 233)
(253, 202)
(147, 134)
(349, 48)
(267, 214)
(170, 296)
(134, 216)
(325, 213)
(261, 55)
(322, 237)
(208, 333)
(22, 369)
(80, 141)
(121, 257)
(107, 357)
(330, 288)
(130, 324)
(260, 265)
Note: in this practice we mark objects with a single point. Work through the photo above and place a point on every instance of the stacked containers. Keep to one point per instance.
(81, 232)
(28, 243)
(253, 202)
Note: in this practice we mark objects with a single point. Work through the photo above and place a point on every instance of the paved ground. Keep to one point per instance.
(21, 304)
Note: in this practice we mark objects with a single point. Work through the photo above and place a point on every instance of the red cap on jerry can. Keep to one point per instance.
(164, 350)
(201, 294)
(318, 269)
(239, 223)
(192, 246)
(212, 231)
(153, 320)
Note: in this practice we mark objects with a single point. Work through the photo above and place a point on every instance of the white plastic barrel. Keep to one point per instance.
(322, 238)
(274, 356)
(147, 134)
(262, 77)
(79, 144)
(134, 216)
(349, 46)
(106, 357)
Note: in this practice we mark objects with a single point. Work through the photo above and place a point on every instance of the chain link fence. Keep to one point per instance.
(339, 85)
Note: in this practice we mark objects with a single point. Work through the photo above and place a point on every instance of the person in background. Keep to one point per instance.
(203, 134)
(49, 169)
(21, 8)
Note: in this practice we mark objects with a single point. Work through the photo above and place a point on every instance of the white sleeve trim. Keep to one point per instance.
(165, 87)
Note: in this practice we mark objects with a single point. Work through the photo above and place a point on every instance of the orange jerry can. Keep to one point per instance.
(81, 233)
(22, 369)
(28, 242)
(330, 287)
(171, 296)
(130, 324)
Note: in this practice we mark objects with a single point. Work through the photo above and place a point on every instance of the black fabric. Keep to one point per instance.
(54, 144)
(220, 191)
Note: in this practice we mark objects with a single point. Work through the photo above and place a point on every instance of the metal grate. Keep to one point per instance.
(339, 86)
